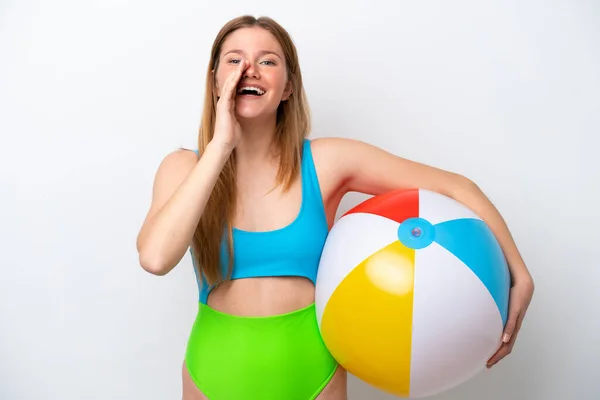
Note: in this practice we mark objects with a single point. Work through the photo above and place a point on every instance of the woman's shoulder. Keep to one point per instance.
(332, 144)
(330, 155)
(331, 152)
(178, 162)
(180, 157)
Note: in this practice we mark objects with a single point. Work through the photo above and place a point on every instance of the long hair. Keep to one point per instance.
(293, 126)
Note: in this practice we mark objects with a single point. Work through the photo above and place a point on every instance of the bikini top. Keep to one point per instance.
(294, 250)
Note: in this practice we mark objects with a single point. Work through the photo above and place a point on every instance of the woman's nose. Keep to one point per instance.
(251, 70)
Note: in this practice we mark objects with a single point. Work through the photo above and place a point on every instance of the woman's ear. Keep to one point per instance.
(288, 91)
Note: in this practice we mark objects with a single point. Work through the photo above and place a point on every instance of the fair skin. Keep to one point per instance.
(247, 124)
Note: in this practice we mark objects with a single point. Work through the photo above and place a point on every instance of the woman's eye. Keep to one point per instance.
(265, 62)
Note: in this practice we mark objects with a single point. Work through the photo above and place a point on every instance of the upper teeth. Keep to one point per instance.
(257, 90)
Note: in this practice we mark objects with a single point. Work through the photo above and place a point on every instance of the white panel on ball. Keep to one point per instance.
(456, 323)
(355, 237)
(437, 208)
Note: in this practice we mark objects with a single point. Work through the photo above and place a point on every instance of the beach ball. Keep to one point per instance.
(412, 293)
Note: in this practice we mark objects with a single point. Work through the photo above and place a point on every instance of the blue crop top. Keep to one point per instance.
(294, 250)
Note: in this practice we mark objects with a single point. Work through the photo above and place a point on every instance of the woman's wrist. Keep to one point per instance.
(221, 150)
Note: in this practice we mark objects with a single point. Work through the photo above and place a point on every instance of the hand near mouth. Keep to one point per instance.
(228, 131)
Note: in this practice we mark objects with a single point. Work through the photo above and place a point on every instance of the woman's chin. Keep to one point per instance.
(252, 113)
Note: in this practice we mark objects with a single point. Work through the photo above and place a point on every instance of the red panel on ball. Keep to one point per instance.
(397, 205)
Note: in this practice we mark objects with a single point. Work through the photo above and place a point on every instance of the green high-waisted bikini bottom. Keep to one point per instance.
(280, 357)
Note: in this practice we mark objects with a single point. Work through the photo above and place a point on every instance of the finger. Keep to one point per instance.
(230, 87)
(511, 326)
(502, 352)
(225, 91)
(517, 329)
(506, 348)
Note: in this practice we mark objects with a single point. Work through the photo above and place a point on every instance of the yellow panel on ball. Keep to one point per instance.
(367, 321)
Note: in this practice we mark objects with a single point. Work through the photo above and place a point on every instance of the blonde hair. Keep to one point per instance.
(293, 126)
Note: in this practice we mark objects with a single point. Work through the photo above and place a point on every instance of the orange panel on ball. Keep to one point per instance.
(367, 322)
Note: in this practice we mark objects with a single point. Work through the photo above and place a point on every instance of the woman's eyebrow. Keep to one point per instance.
(261, 53)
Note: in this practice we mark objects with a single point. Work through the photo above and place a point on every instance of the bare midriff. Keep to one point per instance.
(263, 296)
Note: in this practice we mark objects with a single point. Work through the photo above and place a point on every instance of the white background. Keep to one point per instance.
(94, 93)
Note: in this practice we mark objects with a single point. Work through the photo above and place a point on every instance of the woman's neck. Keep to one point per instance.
(257, 143)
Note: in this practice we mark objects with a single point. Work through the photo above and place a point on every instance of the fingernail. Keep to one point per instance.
(506, 337)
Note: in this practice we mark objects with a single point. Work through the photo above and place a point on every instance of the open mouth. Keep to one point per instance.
(250, 91)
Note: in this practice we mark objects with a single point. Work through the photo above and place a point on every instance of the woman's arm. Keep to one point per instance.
(181, 190)
(364, 168)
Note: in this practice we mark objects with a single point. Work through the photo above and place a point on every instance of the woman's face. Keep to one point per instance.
(265, 75)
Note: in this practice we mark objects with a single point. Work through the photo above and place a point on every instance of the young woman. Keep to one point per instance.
(255, 204)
